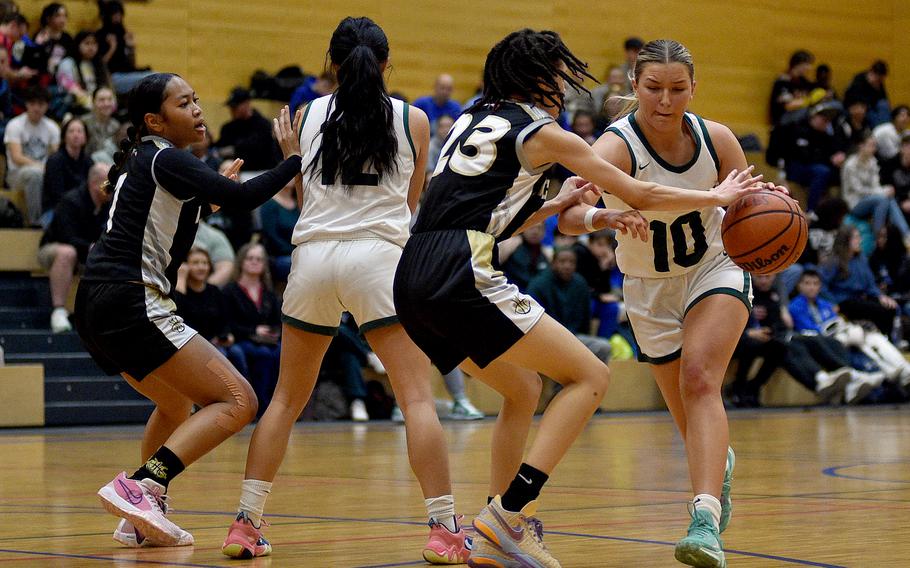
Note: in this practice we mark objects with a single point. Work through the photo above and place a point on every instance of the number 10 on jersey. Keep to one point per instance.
(677, 234)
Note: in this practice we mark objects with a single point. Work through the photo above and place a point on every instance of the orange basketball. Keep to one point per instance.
(764, 232)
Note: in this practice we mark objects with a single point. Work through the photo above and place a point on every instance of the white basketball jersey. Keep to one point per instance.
(368, 207)
(679, 240)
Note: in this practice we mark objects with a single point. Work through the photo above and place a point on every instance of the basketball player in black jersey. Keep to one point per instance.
(124, 311)
(462, 312)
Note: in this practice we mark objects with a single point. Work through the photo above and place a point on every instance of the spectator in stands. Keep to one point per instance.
(220, 251)
(814, 315)
(100, 123)
(790, 91)
(765, 338)
(248, 135)
(13, 27)
(888, 134)
(583, 126)
(55, 44)
(597, 265)
(896, 173)
(30, 138)
(823, 80)
(78, 221)
(852, 126)
(202, 307)
(851, 285)
(829, 215)
(118, 47)
(313, 88)
(812, 153)
(869, 86)
(887, 259)
(255, 319)
(204, 151)
(631, 47)
(523, 257)
(866, 196)
(440, 132)
(82, 72)
(608, 97)
(66, 169)
(110, 145)
(440, 102)
(236, 224)
(565, 295)
(278, 216)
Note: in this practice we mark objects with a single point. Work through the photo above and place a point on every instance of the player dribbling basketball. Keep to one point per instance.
(687, 302)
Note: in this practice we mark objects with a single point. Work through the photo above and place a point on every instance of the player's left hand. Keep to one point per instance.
(572, 192)
(626, 222)
(771, 186)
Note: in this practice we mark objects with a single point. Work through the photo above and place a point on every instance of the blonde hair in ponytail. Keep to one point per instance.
(658, 51)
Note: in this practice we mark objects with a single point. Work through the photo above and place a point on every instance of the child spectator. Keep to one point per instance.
(523, 257)
(597, 265)
(53, 41)
(30, 138)
(255, 319)
(118, 47)
(66, 169)
(583, 126)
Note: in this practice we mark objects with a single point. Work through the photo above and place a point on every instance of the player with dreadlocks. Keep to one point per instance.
(488, 185)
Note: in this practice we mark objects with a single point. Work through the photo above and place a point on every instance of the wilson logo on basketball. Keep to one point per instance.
(759, 263)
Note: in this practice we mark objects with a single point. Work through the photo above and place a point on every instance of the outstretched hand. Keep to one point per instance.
(286, 133)
(737, 184)
(573, 191)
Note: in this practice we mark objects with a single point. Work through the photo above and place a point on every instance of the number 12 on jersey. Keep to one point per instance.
(681, 254)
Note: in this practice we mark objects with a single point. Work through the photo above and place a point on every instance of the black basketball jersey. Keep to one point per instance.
(483, 181)
(156, 209)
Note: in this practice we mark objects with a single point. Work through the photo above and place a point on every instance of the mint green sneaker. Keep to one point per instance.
(726, 504)
(702, 547)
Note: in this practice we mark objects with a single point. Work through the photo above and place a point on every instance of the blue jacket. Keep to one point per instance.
(860, 282)
(802, 316)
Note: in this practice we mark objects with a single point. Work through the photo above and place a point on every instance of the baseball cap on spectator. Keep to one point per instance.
(831, 109)
(238, 95)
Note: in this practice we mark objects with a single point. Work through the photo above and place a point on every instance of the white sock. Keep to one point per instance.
(709, 502)
(442, 510)
(253, 494)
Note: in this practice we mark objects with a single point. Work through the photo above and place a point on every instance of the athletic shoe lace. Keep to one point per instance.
(537, 526)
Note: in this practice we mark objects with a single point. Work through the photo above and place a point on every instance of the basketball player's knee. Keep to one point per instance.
(176, 410)
(598, 380)
(241, 406)
(697, 381)
(526, 390)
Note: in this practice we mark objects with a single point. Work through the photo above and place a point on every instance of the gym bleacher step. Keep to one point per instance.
(89, 388)
(97, 412)
(23, 317)
(58, 364)
(15, 293)
(39, 341)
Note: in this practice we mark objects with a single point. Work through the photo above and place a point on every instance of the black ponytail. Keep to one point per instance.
(146, 97)
(360, 131)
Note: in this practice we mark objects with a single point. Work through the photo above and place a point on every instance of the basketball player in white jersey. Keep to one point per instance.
(364, 158)
(687, 302)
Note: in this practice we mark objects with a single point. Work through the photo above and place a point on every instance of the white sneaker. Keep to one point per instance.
(829, 386)
(375, 364)
(875, 378)
(464, 410)
(359, 411)
(857, 390)
(128, 535)
(140, 502)
(60, 321)
(397, 415)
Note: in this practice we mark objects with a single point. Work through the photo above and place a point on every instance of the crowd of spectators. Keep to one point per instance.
(850, 155)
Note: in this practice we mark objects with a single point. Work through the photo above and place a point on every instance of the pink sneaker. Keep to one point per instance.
(244, 540)
(128, 535)
(142, 504)
(446, 547)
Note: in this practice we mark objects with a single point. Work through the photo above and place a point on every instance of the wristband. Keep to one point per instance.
(589, 219)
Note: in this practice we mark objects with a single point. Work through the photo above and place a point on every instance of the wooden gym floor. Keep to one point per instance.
(827, 488)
